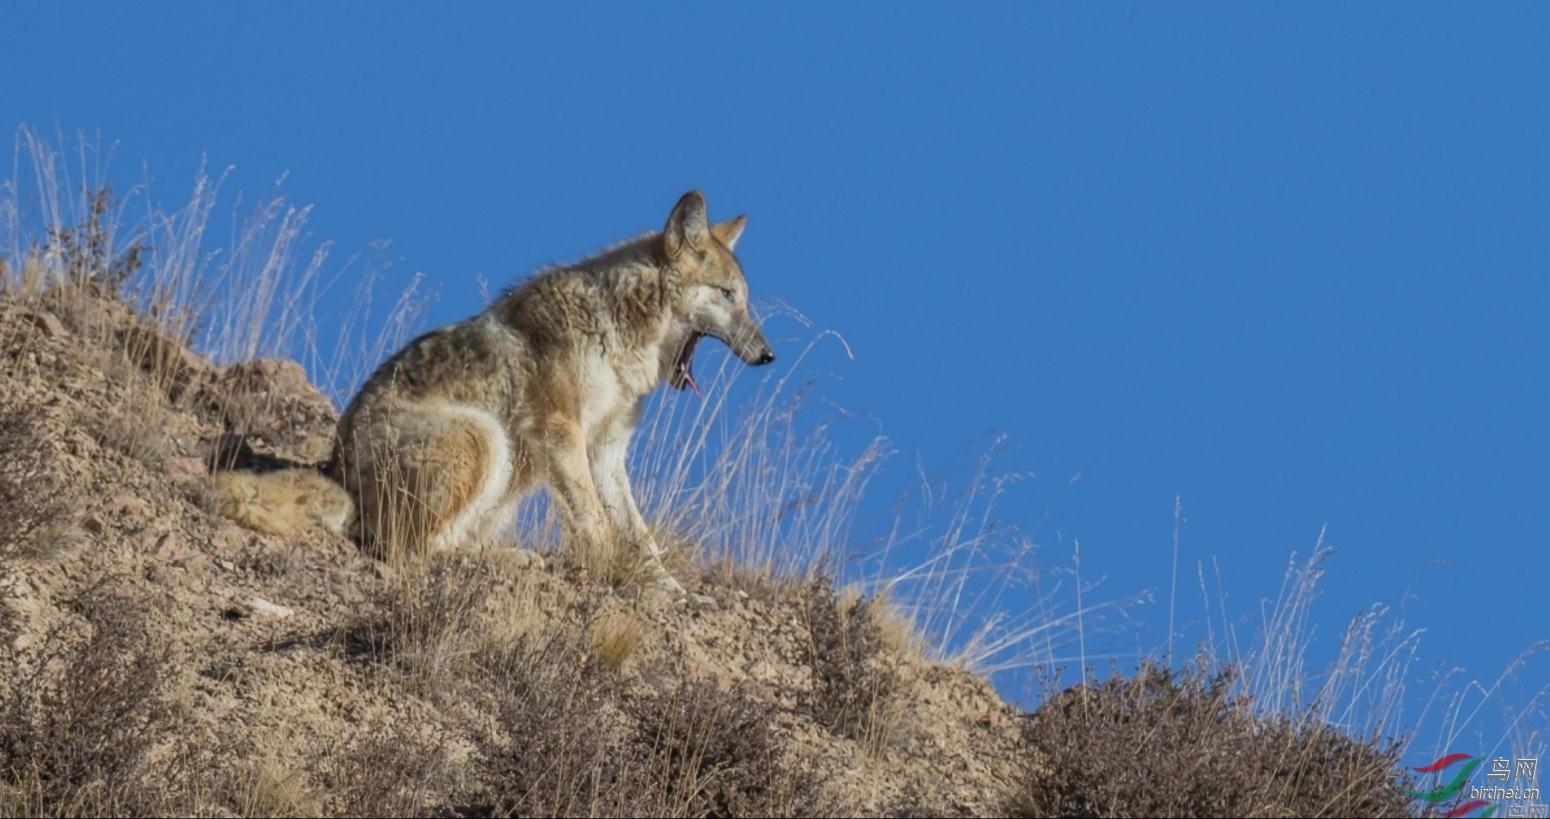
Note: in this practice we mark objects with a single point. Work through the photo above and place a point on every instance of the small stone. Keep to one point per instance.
(47, 322)
(701, 602)
(186, 468)
(259, 605)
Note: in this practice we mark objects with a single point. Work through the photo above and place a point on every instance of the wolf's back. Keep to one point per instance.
(284, 502)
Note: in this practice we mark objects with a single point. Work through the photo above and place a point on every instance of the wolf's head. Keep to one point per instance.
(712, 294)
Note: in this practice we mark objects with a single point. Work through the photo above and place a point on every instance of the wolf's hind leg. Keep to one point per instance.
(441, 472)
(472, 461)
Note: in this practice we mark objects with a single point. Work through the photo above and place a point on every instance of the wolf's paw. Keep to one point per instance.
(668, 583)
(659, 577)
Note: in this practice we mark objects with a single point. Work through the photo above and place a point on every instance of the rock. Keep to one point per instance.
(46, 322)
(186, 468)
(259, 605)
(273, 398)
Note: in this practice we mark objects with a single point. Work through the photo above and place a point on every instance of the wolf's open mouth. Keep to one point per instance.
(683, 369)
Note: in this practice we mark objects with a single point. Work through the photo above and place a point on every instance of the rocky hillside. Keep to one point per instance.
(160, 658)
(157, 659)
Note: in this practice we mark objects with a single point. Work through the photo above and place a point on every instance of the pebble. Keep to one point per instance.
(259, 605)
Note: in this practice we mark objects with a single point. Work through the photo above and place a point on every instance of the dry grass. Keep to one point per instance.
(41, 517)
(855, 684)
(270, 790)
(1161, 743)
(747, 484)
(613, 638)
(387, 772)
(750, 482)
(84, 715)
(894, 627)
(144, 286)
(429, 622)
(620, 564)
(577, 748)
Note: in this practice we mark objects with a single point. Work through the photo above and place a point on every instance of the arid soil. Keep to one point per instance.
(157, 657)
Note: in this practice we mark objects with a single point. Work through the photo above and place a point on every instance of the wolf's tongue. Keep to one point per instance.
(686, 364)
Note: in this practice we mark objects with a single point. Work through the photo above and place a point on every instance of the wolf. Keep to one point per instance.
(541, 389)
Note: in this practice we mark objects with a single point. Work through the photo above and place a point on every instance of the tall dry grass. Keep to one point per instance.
(753, 480)
(749, 482)
(1367, 684)
(766, 481)
(257, 291)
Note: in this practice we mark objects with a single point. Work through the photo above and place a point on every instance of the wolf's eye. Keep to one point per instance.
(727, 293)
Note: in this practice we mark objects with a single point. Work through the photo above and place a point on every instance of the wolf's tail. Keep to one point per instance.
(284, 502)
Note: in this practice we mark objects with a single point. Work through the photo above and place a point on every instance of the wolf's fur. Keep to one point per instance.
(542, 388)
(286, 502)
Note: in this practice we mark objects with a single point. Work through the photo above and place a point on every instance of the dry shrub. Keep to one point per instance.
(387, 772)
(429, 623)
(268, 790)
(39, 519)
(554, 753)
(708, 750)
(571, 744)
(136, 422)
(1166, 743)
(84, 254)
(81, 718)
(854, 682)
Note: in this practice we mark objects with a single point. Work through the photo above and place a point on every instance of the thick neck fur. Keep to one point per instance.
(621, 300)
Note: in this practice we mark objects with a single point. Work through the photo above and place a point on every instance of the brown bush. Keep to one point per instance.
(854, 687)
(81, 718)
(387, 772)
(708, 750)
(429, 622)
(556, 754)
(1165, 743)
(39, 519)
(572, 743)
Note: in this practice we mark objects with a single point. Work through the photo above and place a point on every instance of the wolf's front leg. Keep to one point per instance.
(612, 478)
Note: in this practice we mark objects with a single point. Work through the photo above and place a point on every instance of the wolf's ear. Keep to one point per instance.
(686, 226)
(728, 231)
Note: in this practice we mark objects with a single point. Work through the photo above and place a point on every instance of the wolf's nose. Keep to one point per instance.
(765, 358)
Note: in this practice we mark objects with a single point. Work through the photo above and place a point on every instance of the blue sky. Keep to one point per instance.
(1294, 268)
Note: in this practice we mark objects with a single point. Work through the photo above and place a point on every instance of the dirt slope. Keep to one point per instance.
(158, 658)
